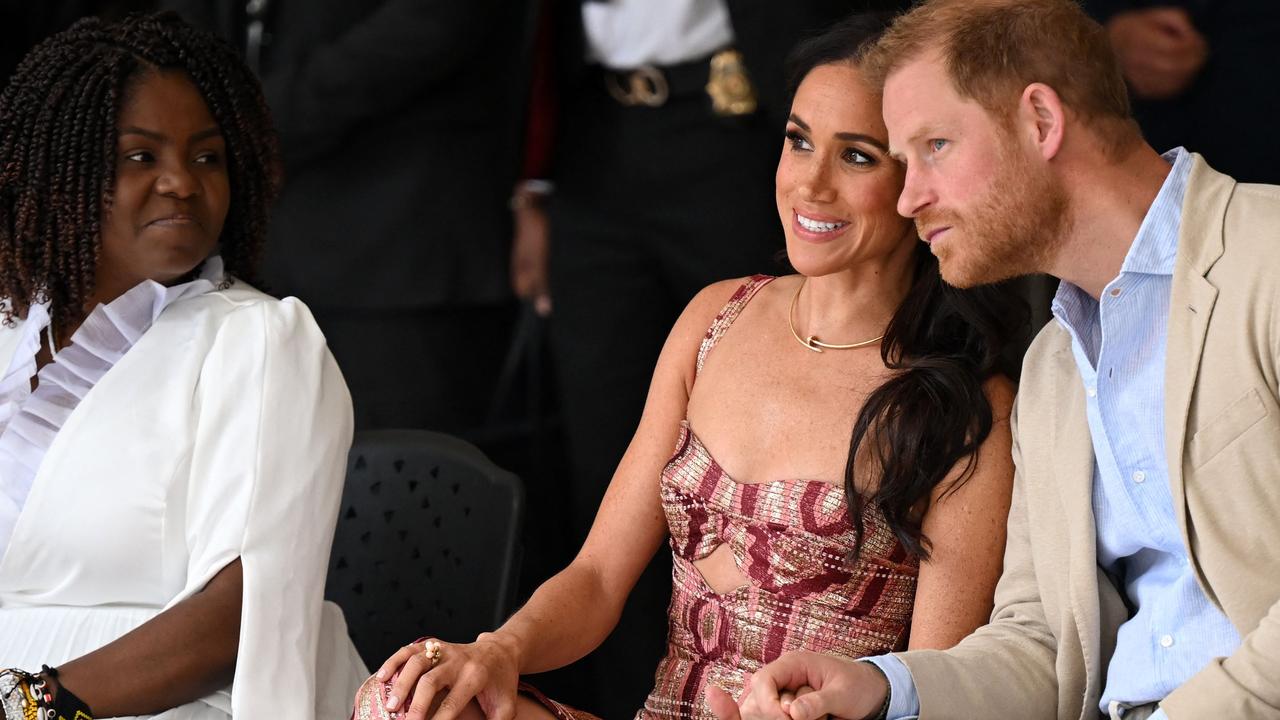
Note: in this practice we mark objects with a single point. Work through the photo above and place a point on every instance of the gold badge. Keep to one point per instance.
(729, 85)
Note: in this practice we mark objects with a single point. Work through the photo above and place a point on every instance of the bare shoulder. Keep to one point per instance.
(711, 299)
(1000, 392)
(990, 469)
(702, 310)
(680, 353)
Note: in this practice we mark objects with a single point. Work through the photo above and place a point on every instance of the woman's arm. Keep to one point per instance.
(177, 657)
(572, 613)
(967, 534)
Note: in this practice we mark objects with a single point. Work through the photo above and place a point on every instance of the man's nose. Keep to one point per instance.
(916, 194)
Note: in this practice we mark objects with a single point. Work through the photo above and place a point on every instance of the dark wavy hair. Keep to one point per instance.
(58, 132)
(943, 343)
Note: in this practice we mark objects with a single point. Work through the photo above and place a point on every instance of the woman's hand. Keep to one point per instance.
(805, 686)
(724, 707)
(486, 671)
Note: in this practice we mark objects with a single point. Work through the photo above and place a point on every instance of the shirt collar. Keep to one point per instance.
(155, 297)
(1155, 247)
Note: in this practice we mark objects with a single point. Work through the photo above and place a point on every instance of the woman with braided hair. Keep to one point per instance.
(172, 441)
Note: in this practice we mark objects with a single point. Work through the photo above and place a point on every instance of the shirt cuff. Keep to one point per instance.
(904, 703)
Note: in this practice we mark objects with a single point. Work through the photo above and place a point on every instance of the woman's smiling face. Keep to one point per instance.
(837, 187)
(172, 187)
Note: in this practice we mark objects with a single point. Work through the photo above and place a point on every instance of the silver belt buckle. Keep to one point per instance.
(646, 85)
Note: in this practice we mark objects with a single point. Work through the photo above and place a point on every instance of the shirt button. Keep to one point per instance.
(1115, 292)
(1093, 391)
(1166, 641)
(1139, 477)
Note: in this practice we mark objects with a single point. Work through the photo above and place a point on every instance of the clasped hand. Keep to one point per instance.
(805, 686)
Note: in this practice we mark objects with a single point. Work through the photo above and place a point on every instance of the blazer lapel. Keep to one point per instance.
(1074, 462)
(1191, 304)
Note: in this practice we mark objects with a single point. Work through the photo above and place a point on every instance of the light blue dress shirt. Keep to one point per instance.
(1119, 346)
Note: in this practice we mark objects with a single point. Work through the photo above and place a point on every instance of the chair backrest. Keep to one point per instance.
(427, 541)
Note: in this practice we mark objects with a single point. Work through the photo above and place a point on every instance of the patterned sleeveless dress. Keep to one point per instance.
(790, 539)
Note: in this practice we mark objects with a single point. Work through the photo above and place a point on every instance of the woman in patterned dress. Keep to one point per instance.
(821, 495)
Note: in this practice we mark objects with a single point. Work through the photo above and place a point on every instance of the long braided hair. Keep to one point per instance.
(58, 139)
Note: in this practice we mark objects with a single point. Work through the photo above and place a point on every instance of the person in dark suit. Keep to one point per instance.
(398, 127)
(669, 117)
(1200, 72)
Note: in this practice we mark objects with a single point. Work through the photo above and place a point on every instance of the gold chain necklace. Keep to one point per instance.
(812, 342)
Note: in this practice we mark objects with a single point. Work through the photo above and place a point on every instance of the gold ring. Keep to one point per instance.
(431, 650)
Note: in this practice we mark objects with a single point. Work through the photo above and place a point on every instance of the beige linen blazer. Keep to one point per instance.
(1045, 652)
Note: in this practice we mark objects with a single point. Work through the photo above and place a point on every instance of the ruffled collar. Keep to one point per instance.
(30, 420)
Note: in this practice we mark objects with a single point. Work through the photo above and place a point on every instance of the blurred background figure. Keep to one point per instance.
(399, 125)
(655, 133)
(1201, 75)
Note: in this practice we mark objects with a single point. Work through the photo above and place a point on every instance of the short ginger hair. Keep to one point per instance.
(994, 49)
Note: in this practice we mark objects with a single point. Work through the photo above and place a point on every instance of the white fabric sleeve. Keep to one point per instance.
(274, 425)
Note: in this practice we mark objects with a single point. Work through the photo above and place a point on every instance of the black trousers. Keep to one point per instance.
(651, 205)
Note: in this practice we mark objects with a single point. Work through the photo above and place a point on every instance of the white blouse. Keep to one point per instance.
(29, 421)
(182, 429)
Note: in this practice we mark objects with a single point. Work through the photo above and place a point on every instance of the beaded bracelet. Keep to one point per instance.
(24, 696)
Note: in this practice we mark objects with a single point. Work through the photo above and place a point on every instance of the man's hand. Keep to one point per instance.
(1159, 50)
(805, 686)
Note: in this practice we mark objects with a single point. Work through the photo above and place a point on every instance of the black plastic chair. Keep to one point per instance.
(427, 541)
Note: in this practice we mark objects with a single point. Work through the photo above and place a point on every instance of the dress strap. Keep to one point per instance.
(729, 313)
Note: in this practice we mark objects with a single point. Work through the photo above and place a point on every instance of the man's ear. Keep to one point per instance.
(1041, 114)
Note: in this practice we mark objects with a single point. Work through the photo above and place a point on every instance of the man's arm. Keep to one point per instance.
(1007, 667)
